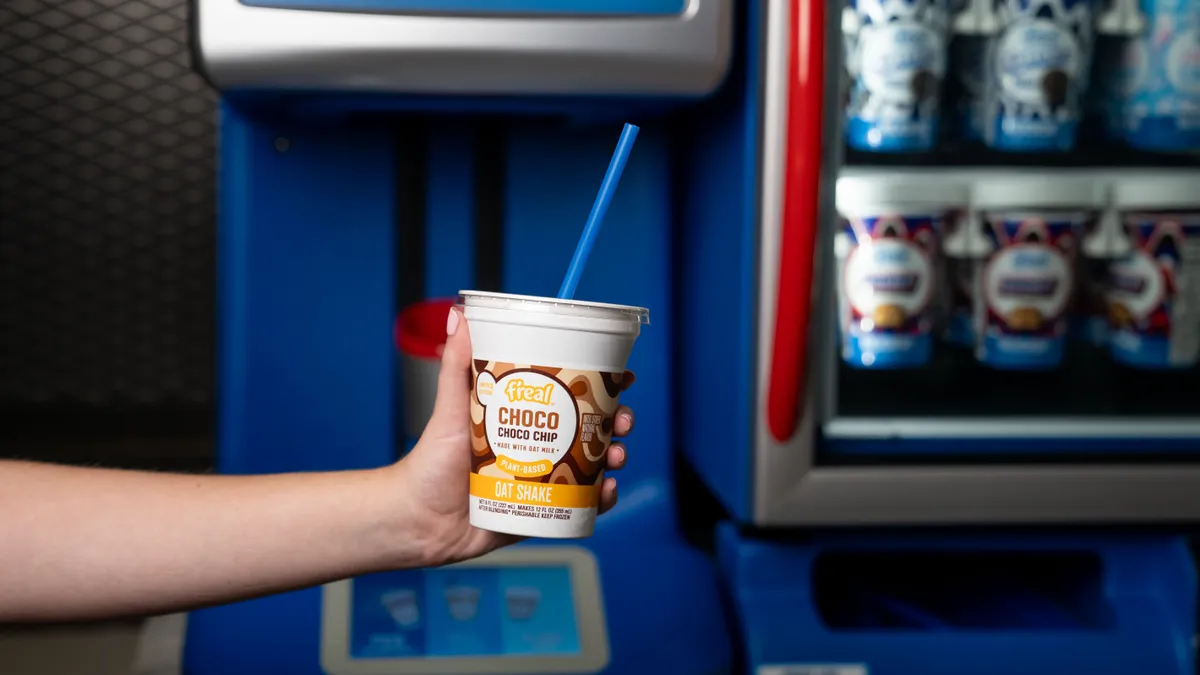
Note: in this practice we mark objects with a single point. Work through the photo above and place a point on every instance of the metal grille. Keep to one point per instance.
(106, 206)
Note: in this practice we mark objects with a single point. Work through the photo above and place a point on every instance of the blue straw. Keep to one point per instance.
(615, 168)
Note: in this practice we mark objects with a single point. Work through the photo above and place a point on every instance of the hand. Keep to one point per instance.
(436, 470)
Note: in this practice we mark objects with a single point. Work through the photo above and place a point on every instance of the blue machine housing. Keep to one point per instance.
(718, 261)
(1099, 605)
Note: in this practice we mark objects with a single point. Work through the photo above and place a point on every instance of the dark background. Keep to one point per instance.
(107, 228)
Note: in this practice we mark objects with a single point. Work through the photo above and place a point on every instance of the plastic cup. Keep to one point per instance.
(546, 377)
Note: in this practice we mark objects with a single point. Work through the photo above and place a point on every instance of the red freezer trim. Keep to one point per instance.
(797, 245)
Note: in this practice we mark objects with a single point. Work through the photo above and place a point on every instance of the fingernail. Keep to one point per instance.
(627, 419)
(452, 322)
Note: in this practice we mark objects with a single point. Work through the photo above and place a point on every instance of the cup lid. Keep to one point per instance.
(1157, 192)
(557, 306)
(868, 194)
(1026, 192)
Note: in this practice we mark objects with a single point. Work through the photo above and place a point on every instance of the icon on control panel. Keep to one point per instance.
(462, 601)
(522, 602)
(402, 606)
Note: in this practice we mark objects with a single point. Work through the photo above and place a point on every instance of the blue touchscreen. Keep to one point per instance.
(488, 7)
(472, 611)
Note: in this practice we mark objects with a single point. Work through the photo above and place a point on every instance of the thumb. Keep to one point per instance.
(451, 409)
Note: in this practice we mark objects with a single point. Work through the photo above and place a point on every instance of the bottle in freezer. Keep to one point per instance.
(896, 53)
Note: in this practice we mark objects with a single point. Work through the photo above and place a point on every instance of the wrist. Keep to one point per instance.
(401, 537)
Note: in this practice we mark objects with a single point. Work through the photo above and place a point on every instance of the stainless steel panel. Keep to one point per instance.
(988, 495)
(243, 47)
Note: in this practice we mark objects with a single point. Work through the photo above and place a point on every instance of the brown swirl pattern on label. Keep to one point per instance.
(596, 396)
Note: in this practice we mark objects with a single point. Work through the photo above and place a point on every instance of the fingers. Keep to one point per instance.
(616, 457)
(452, 405)
(623, 424)
(608, 494)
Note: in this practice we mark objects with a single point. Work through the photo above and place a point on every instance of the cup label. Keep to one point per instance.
(1160, 110)
(896, 62)
(1152, 294)
(539, 437)
(886, 287)
(1038, 66)
(1027, 285)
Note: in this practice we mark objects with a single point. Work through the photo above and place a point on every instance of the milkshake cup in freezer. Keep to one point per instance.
(896, 56)
(1038, 65)
(1032, 228)
(1028, 283)
(547, 375)
(1161, 101)
(1154, 295)
(887, 255)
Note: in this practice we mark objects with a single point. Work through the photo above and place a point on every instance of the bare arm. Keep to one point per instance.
(82, 543)
(79, 544)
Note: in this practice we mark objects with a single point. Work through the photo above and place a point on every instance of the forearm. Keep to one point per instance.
(79, 543)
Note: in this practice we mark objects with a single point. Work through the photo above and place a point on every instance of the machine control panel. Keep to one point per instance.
(605, 8)
(529, 609)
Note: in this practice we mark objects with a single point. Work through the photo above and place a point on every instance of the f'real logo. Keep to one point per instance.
(517, 390)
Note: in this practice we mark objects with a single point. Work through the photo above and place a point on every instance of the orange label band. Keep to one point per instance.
(535, 494)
